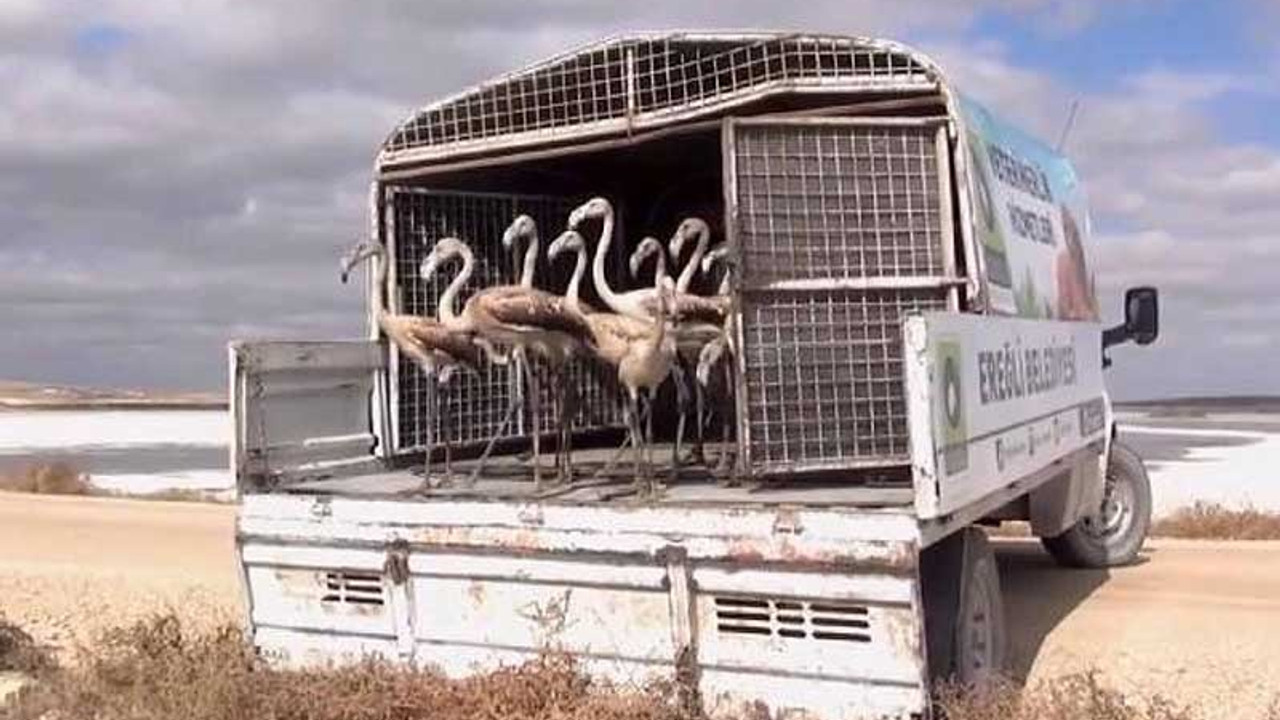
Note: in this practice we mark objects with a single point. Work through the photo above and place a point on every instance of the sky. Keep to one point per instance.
(177, 174)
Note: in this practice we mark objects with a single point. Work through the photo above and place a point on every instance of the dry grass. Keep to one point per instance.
(1208, 521)
(157, 670)
(20, 653)
(47, 478)
(63, 478)
(1074, 697)
(172, 495)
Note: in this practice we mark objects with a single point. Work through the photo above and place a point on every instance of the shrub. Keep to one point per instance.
(20, 653)
(1210, 521)
(48, 478)
(158, 670)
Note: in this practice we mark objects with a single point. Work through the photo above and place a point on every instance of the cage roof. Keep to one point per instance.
(641, 82)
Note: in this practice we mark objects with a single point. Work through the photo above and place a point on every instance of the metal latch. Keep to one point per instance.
(396, 567)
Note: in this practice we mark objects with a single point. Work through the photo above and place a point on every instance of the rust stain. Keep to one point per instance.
(476, 592)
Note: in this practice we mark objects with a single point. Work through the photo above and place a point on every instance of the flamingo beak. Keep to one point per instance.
(355, 256)
(428, 267)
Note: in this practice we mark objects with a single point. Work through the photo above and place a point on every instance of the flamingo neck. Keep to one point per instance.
(571, 292)
(380, 298)
(530, 261)
(445, 311)
(607, 294)
(686, 274)
(659, 268)
(659, 337)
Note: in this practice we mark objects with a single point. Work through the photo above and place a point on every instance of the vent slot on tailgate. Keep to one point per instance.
(353, 588)
(792, 619)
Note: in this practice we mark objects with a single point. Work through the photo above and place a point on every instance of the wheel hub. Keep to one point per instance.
(1116, 513)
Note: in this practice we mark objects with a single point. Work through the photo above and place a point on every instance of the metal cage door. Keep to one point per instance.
(842, 227)
(470, 409)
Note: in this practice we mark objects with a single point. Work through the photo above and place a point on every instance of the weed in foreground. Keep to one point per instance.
(158, 670)
(1074, 697)
(20, 653)
(46, 478)
(1210, 521)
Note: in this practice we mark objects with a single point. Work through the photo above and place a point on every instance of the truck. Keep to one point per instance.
(916, 353)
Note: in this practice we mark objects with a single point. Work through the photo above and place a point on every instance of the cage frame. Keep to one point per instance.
(949, 281)
(962, 280)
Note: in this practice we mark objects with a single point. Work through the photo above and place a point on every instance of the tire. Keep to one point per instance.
(980, 649)
(1113, 535)
(964, 611)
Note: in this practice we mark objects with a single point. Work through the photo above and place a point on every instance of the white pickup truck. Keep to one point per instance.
(916, 353)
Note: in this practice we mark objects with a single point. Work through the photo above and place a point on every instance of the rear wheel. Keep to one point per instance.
(964, 610)
(980, 633)
(1113, 534)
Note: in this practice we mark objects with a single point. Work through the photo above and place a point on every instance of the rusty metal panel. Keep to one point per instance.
(301, 410)
(807, 611)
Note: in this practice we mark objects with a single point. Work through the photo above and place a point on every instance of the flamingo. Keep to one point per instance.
(714, 351)
(689, 227)
(700, 319)
(632, 303)
(437, 350)
(515, 316)
(642, 351)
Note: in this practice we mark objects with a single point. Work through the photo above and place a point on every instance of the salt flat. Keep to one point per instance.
(1230, 458)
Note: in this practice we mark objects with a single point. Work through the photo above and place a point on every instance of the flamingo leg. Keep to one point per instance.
(517, 400)
(535, 413)
(569, 404)
(682, 403)
(700, 437)
(727, 463)
(433, 401)
(639, 444)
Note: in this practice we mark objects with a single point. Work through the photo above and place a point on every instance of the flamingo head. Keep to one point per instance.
(568, 240)
(689, 229)
(648, 246)
(522, 226)
(363, 250)
(595, 208)
(718, 253)
(444, 249)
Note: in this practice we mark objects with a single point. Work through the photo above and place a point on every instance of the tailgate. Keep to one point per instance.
(813, 610)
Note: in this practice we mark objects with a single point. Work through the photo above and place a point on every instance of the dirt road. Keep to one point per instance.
(70, 566)
(1197, 622)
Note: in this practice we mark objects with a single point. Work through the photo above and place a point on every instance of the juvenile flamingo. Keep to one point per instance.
(437, 350)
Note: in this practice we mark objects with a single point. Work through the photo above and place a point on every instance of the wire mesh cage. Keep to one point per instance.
(470, 408)
(842, 228)
(639, 78)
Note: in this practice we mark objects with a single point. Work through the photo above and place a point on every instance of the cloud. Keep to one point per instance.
(173, 175)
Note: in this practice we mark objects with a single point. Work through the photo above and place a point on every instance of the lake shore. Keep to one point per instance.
(25, 396)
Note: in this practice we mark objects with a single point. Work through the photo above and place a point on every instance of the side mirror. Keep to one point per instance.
(1142, 314)
(1141, 319)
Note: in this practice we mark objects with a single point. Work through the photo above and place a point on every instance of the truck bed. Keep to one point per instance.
(785, 608)
(510, 478)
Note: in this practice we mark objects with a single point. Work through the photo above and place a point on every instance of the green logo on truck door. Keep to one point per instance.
(949, 408)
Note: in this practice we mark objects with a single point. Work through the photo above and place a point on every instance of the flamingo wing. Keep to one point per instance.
(538, 309)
